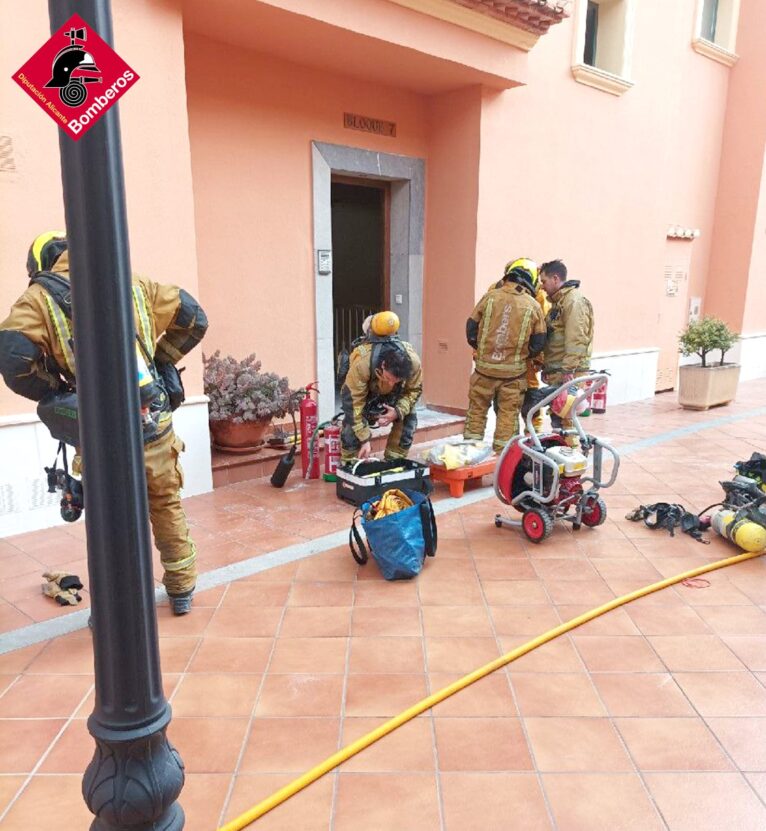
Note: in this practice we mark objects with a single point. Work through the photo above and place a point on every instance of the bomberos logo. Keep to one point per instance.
(75, 77)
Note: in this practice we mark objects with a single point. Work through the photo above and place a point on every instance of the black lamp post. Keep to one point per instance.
(135, 776)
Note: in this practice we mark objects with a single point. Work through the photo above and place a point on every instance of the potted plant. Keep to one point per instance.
(243, 400)
(707, 384)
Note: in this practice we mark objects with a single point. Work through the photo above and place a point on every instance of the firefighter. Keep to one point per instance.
(570, 333)
(506, 329)
(383, 384)
(38, 362)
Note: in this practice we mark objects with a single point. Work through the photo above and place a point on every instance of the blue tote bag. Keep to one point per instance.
(399, 542)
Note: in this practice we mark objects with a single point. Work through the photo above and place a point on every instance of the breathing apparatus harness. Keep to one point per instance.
(72, 494)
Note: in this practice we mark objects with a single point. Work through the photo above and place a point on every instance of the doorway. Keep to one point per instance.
(360, 243)
(673, 311)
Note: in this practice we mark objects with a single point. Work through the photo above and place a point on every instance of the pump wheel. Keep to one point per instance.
(595, 513)
(537, 524)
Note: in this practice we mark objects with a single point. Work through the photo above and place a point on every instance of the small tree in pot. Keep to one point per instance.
(243, 400)
(707, 384)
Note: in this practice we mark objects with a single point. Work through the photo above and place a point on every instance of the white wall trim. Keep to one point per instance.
(633, 372)
(26, 448)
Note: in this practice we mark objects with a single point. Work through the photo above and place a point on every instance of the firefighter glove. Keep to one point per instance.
(62, 587)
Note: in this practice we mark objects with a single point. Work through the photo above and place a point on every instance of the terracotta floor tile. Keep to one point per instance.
(481, 744)
(23, 742)
(322, 594)
(564, 569)
(383, 695)
(667, 620)
(376, 621)
(596, 802)
(64, 656)
(300, 695)
(374, 800)
(504, 568)
(202, 799)
(9, 786)
(256, 594)
(723, 693)
(11, 617)
(456, 621)
(44, 696)
(558, 655)
(319, 656)
(692, 653)
(750, 649)
(523, 620)
(453, 549)
(208, 745)
(672, 744)
(744, 740)
(289, 744)
(409, 748)
(280, 574)
(492, 694)
(615, 622)
(576, 744)
(516, 593)
(17, 661)
(758, 783)
(233, 655)
(316, 622)
(624, 568)
(336, 565)
(618, 653)
(560, 694)
(482, 801)
(72, 752)
(308, 810)
(235, 622)
(43, 803)
(720, 592)
(457, 592)
(386, 655)
(397, 593)
(734, 620)
(459, 654)
(215, 695)
(186, 626)
(692, 801)
(642, 694)
(590, 592)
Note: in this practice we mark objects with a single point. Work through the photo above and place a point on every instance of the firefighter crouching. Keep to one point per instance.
(37, 361)
(383, 384)
(570, 333)
(506, 329)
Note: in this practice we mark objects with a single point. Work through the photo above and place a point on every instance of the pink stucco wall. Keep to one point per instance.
(251, 155)
(572, 172)
(738, 261)
(155, 150)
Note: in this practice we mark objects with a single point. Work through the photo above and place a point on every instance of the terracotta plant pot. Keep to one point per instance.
(239, 438)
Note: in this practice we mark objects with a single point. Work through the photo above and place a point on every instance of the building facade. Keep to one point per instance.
(296, 164)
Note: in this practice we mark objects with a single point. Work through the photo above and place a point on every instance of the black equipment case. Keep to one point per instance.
(367, 479)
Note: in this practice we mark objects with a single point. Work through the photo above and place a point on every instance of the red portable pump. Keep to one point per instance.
(598, 399)
(309, 419)
(331, 448)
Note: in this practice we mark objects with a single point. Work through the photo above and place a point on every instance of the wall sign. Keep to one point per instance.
(369, 125)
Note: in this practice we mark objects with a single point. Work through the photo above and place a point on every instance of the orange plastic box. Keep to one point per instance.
(457, 478)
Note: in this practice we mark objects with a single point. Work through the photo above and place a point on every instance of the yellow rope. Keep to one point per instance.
(352, 749)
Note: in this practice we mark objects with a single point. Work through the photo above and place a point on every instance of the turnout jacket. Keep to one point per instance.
(505, 328)
(363, 384)
(37, 348)
(570, 331)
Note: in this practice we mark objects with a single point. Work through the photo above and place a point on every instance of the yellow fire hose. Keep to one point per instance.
(283, 794)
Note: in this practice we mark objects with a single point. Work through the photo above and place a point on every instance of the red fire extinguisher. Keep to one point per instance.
(331, 448)
(309, 420)
(598, 399)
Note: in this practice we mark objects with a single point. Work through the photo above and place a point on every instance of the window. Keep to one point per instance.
(603, 38)
(716, 29)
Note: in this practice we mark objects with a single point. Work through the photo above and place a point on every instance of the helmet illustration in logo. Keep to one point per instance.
(70, 60)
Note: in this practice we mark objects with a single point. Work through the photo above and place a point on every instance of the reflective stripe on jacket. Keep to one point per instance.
(507, 317)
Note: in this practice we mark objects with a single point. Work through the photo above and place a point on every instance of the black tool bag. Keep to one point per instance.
(370, 478)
